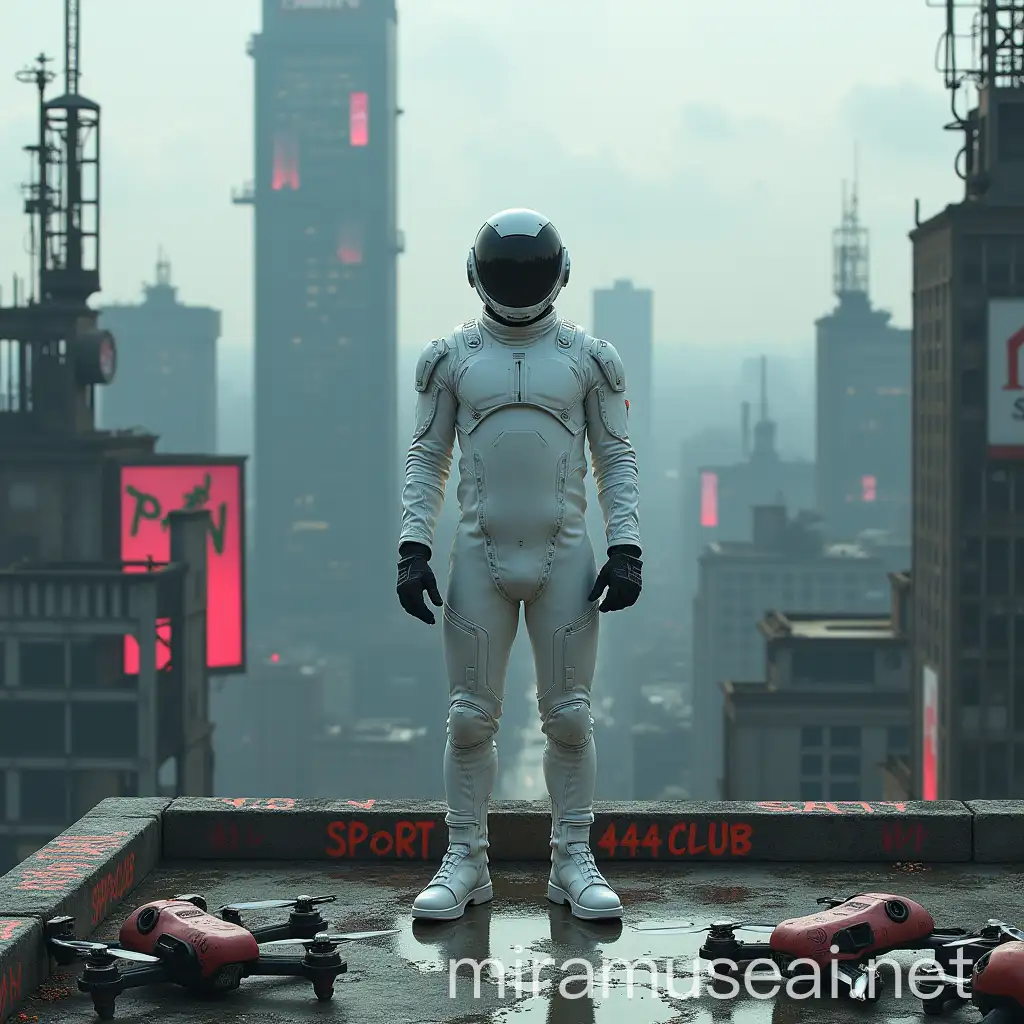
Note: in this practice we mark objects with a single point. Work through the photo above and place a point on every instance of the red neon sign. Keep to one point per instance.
(350, 245)
(868, 488)
(708, 499)
(148, 494)
(930, 736)
(286, 164)
(359, 119)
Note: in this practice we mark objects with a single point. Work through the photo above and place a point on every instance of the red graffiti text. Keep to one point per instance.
(231, 838)
(830, 806)
(683, 839)
(407, 839)
(112, 888)
(900, 838)
(66, 861)
(274, 803)
(10, 989)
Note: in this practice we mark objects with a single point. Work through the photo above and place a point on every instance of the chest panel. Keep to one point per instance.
(502, 377)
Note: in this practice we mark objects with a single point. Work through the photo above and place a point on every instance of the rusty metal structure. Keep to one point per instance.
(74, 728)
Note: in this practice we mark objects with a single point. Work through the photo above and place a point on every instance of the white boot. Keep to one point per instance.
(462, 880)
(575, 878)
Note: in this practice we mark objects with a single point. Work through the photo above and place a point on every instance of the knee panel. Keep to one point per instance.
(469, 725)
(570, 725)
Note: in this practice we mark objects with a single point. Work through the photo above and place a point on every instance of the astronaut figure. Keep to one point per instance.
(521, 389)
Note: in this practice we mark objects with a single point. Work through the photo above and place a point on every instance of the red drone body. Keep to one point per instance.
(218, 944)
(998, 978)
(864, 925)
(175, 941)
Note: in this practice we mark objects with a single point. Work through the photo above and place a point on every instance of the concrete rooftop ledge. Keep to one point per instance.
(100, 860)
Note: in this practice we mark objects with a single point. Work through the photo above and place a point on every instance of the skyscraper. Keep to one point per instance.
(968, 454)
(863, 400)
(327, 244)
(167, 374)
(623, 316)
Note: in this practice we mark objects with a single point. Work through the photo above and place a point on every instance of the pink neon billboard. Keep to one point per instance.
(708, 499)
(147, 494)
(359, 119)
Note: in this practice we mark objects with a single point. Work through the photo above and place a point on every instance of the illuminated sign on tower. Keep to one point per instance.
(148, 492)
(326, 260)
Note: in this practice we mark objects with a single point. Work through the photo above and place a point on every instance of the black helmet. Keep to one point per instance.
(518, 264)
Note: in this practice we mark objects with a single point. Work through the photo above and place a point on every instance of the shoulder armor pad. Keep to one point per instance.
(610, 362)
(471, 333)
(427, 363)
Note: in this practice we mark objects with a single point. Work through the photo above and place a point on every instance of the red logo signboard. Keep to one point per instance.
(148, 493)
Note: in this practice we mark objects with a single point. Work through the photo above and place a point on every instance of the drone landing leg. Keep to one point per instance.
(321, 970)
(105, 982)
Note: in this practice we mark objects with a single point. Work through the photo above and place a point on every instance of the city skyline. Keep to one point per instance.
(182, 131)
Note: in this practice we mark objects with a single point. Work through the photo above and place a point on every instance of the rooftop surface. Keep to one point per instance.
(675, 862)
(784, 625)
(405, 978)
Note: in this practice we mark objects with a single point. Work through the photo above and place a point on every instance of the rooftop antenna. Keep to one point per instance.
(745, 429)
(764, 389)
(764, 429)
(72, 46)
(163, 268)
(981, 58)
(850, 243)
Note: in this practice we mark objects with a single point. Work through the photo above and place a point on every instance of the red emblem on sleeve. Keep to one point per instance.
(627, 405)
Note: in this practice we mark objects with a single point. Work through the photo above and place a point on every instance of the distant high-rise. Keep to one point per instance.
(863, 401)
(327, 247)
(718, 498)
(624, 316)
(167, 368)
(785, 565)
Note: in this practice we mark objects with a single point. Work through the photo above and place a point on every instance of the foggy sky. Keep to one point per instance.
(696, 147)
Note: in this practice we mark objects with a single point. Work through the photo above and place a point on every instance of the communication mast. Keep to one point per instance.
(850, 246)
(981, 57)
(55, 356)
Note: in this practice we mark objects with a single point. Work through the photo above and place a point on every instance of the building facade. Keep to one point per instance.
(327, 246)
(968, 456)
(623, 316)
(719, 497)
(833, 711)
(863, 402)
(167, 369)
(785, 565)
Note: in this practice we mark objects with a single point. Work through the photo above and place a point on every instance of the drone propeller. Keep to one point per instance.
(303, 901)
(87, 949)
(690, 929)
(858, 984)
(994, 929)
(323, 939)
(939, 975)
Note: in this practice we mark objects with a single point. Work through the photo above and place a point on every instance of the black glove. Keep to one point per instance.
(414, 577)
(621, 575)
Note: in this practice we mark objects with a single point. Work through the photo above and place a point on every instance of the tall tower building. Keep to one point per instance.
(863, 400)
(968, 453)
(624, 316)
(327, 246)
(167, 373)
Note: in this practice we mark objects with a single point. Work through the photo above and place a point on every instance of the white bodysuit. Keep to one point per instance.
(521, 401)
